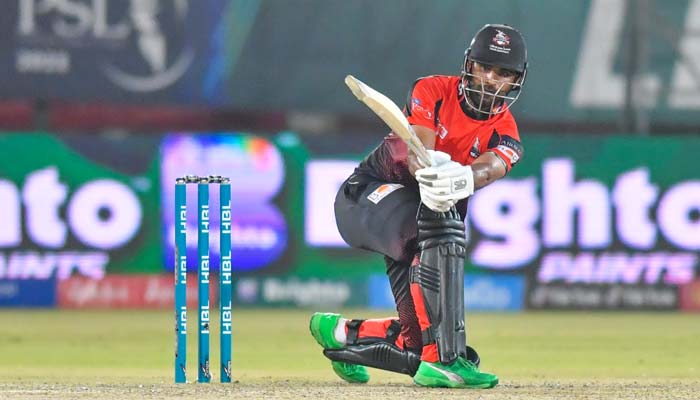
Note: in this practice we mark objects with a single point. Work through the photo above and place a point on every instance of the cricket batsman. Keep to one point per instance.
(414, 215)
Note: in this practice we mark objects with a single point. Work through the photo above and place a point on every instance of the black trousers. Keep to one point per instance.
(378, 216)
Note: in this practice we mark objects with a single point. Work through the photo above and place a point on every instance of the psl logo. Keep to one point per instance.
(155, 47)
(144, 38)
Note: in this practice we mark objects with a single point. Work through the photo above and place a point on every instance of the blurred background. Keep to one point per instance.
(104, 102)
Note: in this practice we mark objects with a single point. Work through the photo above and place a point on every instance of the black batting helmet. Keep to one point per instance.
(500, 46)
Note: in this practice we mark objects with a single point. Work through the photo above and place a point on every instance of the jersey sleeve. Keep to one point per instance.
(422, 101)
(505, 142)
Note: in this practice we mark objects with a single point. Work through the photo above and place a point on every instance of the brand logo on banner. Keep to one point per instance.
(140, 44)
(306, 292)
(575, 231)
(583, 231)
(48, 229)
(606, 297)
(298, 292)
(256, 169)
(128, 291)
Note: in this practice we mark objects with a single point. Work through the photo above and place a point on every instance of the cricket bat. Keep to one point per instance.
(390, 113)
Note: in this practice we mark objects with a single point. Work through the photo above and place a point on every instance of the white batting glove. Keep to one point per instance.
(447, 182)
(439, 157)
(433, 202)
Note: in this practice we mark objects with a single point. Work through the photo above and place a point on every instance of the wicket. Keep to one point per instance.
(203, 274)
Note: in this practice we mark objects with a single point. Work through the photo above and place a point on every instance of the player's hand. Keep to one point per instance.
(447, 182)
(434, 202)
(438, 157)
(431, 198)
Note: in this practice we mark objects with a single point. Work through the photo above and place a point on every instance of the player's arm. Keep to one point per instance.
(488, 168)
(441, 186)
(427, 136)
(494, 163)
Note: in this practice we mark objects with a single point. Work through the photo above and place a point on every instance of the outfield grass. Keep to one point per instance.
(136, 347)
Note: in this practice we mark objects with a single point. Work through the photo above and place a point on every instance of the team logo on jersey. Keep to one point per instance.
(441, 131)
(501, 42)
(474, 152)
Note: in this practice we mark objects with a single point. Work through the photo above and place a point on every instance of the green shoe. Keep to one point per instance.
(460, 374)
(322, 326)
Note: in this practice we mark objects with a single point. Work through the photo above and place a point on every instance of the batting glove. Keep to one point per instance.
(446, 183)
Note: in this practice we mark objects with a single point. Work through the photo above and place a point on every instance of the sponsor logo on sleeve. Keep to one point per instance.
(512, 156)
(510, 148)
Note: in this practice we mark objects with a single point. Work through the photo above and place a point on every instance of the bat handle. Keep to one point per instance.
(424, 157)
(415, 144)
(421, 153)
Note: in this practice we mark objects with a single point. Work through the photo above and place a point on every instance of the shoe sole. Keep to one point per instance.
(339, 371)
(434, 383)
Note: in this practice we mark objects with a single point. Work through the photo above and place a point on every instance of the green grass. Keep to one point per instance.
(137, 346)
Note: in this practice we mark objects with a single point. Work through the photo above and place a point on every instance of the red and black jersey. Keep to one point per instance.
(436, 103)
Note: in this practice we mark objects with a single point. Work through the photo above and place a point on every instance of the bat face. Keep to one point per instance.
(390, 113)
